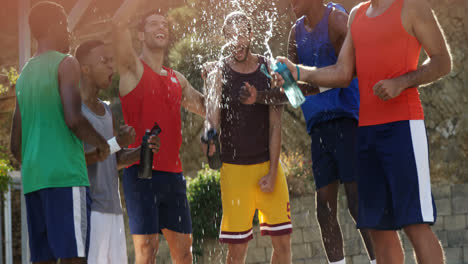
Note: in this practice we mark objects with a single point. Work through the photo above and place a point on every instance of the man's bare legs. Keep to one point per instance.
(387, 247)
(281, 249)
(351, 189)
(326, 207)
(146, 248)
(425, 243)
(236, 253)
(180, 246)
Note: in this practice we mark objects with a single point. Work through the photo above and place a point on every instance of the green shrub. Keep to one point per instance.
(298, 171)
(5, 167)
(204, 195)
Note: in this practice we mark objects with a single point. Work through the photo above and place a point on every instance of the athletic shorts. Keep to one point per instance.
(107, 243)
(241, 195)
(394, 180)
(58, 223)
(334, 150)
(157, 203)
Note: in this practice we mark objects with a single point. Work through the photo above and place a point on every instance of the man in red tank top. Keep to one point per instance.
(151, 93)
(382, 46)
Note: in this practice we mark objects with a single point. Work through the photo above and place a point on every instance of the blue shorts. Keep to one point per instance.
(157, 203)
(58, 223)
(334, 151)
(394, 179)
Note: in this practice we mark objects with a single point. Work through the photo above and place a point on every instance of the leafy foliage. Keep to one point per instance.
(5, 167)
(12, 75)
(298, 173)
(204, 196)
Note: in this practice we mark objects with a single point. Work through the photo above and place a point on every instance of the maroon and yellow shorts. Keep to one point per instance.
(241, 196)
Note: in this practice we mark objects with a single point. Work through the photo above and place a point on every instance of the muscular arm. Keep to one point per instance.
(192, 100)
(420, 21)
(69, 76)
(267, 182)
(15, 135)
(127, 156)
(275, 138)
(128, 64)
(213, 99)
(337, 30)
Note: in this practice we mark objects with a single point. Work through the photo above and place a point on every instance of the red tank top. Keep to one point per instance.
(157, 98)
(384, 50)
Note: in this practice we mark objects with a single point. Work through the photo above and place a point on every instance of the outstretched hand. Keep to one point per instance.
(204, 147)
(248, 94)
(291, 66)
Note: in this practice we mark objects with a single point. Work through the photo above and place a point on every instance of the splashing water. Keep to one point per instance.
(269, 34)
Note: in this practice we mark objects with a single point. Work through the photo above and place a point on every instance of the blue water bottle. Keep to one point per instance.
(293, 92)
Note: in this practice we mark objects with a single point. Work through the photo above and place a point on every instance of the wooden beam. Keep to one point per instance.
(77, 12)
(24, 33)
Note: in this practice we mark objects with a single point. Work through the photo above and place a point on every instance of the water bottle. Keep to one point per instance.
(145, 170)
(213, 161)
(293, 92)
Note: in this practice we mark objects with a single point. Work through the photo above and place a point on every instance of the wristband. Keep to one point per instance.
(323, 89)
(298, 72)
(113, 145)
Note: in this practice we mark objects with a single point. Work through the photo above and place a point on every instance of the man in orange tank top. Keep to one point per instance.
(151, 93)
(382, 47)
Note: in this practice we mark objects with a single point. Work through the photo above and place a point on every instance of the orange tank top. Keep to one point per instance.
(384, 50)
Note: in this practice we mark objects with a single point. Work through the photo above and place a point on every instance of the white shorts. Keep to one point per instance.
(107, 242)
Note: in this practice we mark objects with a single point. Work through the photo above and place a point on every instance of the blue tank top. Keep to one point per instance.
(315, 49)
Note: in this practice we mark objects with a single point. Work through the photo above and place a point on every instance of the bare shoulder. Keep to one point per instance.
(338, 17)
(338, 21)
(181, 78)
(69, 63)
(416, 9)
(69, 69)
(353, 12)
(415, 12)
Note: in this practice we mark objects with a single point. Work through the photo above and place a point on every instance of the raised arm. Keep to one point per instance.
(69, 77)
(192, 100)
(15, 135)
(128, 64)
(419, 20)
(213, 99)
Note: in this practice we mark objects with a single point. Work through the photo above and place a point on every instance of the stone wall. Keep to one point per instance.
(451, 228)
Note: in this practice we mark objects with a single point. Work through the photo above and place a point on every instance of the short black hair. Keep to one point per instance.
(235, 18)
(85, 48)
(43, 15)
(142, 23)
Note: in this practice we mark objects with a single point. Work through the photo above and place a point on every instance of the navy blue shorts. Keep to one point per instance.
(58, 223)
(334, 151)
(157, 203)
(394, 179)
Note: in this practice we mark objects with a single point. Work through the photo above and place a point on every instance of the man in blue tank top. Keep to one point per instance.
(331, 116)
